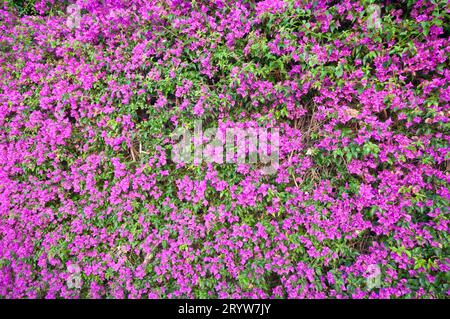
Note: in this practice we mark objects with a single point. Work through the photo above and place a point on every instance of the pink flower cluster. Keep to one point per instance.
(87, 114)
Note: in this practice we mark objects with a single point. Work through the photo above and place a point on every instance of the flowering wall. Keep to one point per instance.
(93, 206)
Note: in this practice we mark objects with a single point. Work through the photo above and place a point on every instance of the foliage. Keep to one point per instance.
(87, 116)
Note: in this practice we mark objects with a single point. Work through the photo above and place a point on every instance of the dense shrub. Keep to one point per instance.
(88, 107)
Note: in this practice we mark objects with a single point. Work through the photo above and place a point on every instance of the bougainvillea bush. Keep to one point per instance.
(93, 206)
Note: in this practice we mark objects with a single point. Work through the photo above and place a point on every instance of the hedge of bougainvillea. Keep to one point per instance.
(93, 206)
